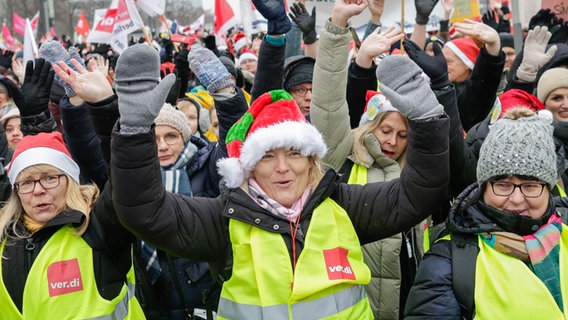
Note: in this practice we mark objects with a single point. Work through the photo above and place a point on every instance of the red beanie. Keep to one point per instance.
(44, 148)
(465, 49)
(514, 98)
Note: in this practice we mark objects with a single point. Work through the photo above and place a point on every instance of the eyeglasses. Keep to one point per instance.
(300, 91)
(169, 138)
(528, 189)
(47, 182)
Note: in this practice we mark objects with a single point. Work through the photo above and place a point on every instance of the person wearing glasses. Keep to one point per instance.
(64, 253)
(517, 239)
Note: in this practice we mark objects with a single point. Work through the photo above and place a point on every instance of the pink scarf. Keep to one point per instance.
(262, 199)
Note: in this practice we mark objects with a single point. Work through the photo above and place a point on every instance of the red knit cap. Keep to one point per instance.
(465, 49)
(44, 148)
(514, 98)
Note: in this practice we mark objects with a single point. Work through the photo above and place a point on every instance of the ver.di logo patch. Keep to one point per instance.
(64, 277)
(337, 264)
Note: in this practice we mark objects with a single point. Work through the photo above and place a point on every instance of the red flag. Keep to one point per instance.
(7, 35)
(34, 21)
(224, 17)
(18, 23)
(82, 26)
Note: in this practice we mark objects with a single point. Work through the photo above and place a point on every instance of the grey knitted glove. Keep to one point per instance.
(401, 81)
(535, 54)
(209, 70)
(140, 93)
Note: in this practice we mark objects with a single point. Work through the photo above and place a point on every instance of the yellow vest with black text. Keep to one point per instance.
(61, 285)
(328, 282)
(505, 287)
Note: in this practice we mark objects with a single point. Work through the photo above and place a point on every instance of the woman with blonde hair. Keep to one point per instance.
(63, 250)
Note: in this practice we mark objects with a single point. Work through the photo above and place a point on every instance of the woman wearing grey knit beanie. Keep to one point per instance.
(507, 243)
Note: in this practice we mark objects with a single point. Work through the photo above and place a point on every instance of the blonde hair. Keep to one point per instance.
(359, 152)
(78, 197)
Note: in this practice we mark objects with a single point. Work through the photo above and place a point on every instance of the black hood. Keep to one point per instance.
(471, 215)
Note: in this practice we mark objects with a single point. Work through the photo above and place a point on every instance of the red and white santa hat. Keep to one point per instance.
(273, 121)
(44, 148)
(239, 41)
(465, 49)
(247, 54)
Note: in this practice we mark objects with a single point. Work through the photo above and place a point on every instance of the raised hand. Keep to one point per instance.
(481, 33)
(208, 69)
(53, 52)
(401, 81)
(33, 97)
(305, 21)
(91, 86)
(535, 54)
(98, 63)
(435, 67)
(343, 10)
(140, 92)
(376, 44)
(489, 19)
(275, 12)
(424, 9)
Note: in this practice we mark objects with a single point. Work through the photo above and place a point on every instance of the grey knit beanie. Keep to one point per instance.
(174, 118)
(522, 147)
(551, 80)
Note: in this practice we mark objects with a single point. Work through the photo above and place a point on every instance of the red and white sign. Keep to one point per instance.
(82, 26)
(64, 277)
(337, 264)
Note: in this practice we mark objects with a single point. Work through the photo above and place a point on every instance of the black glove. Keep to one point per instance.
(424, 9)
(182, 70)
(435, 67)
(489, 19)
(6, 59)
(305, 21)
(543, 17)
(174, 90)
(559, 34)
(33, 98)
(211, 44)
(505, 9)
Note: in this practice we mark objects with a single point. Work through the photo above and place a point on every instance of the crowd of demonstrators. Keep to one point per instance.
(288, 175)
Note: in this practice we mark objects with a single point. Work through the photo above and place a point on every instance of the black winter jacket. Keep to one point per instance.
(477, 94)
(198, 227)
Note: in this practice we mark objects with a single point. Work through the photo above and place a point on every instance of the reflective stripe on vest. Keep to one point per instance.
(327, 281)
(505, 288)
(61, 285)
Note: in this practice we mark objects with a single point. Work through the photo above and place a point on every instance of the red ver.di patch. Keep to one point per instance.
(64, 277)
(337, 264)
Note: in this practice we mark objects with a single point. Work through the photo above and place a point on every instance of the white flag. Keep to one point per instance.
(194, 27)
(152, 7)
(253, 22)
(102, 26)
(30, 46)
(127, 20)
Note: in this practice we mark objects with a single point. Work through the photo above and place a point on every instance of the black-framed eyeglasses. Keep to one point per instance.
(528, 189)
(47, 182)
(170, 138)
(300, 91)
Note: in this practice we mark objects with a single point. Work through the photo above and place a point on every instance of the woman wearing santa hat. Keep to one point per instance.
(55, 263)
(284, 236)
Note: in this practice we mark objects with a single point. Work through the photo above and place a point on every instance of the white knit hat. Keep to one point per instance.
(170, 116)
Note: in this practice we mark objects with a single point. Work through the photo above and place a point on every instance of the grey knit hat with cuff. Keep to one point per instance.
(522, 147)
(170, 116)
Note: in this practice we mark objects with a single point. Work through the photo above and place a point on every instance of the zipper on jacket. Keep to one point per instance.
(30, 247)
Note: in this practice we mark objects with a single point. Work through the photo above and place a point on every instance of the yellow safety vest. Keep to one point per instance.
(505, 287)
(328, 282)
(61, 285)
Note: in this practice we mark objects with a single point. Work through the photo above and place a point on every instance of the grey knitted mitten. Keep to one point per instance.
(140, 93)
(401, 81)
(53, 52)
(209, 69)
